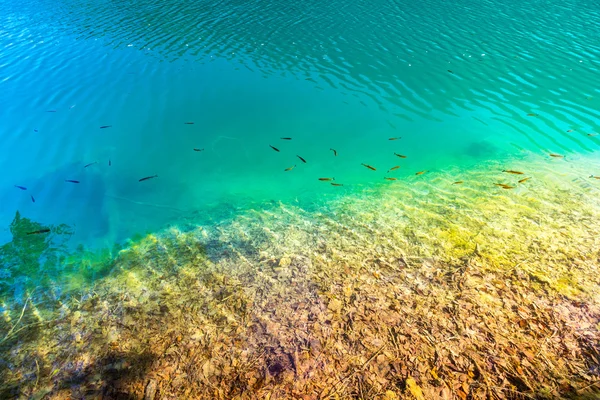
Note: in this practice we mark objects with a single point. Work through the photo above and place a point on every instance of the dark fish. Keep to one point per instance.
(399, 155)
(51, 111)
(327, 179)
(87, 165)
(421, 172)
(595, 176)
(368, 166)
(394, 168)
(532, 115)
(105, 126)
(189, 123)
(32, 199)
(570, 130)
(510, 171)
(450, 71)
(274, 148)
(290, 168)
(71, 181)
(286, 138)
(21, 187)
(336, 184)
(504, 186)
(524, 180)
(35, 130)
(198, 149)
(395, 138)
(38, 232)
(390, 179)
(148, 177)
(457, 182)
(109, 163)
(334, 152)
(593, 134)
(555, 155)
(301, 159)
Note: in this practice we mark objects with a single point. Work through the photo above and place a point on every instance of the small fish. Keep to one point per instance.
(71, 181)
(556, 155)
(336, 184)
(32, 199)
(286, 138)
(458, 183)
(390, 179)
(394, 168)
(290, 168)
(450, 71)
(148, 177)
(504, 186)
(334, 152)
(399, 155)
(570, 130)
(524, 180)
(593, 134)
(109, 163)
(595, 176)
(189, 123)
(87, 165)
(510, 171)
(21, 187)
(395, 138)
(72, 107)
(532, 115)
(274, 148)
(35, 130)
(198, 149)
(421, 172)
(368, 166)
(38, 232)
(301, 159)
(51, 111)
(327, 179)
(105, 126)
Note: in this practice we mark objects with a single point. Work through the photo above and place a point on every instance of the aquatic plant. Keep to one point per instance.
(33, 257)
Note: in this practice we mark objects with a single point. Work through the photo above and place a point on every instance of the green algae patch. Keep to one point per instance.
(421, 289)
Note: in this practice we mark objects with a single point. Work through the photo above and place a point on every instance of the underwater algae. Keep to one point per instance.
(415, 289)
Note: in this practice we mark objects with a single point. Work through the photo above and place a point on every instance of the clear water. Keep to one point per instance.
(230, 235)
(455, 81)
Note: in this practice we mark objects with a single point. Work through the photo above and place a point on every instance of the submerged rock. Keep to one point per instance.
(150, 391)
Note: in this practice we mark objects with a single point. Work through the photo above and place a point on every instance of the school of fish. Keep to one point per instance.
(331, 180)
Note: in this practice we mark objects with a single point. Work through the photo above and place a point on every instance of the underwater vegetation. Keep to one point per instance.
(34, 256)
(38, 272)
(394, 292)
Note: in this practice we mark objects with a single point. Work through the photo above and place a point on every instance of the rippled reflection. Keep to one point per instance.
(506, 60)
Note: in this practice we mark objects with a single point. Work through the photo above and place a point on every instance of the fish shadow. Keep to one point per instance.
(481, 149)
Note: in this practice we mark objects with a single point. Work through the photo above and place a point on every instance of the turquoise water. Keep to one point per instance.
(455, 81)
(233, 265)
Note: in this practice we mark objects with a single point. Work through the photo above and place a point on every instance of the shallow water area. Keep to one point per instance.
(288, 301)
(312, 200)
